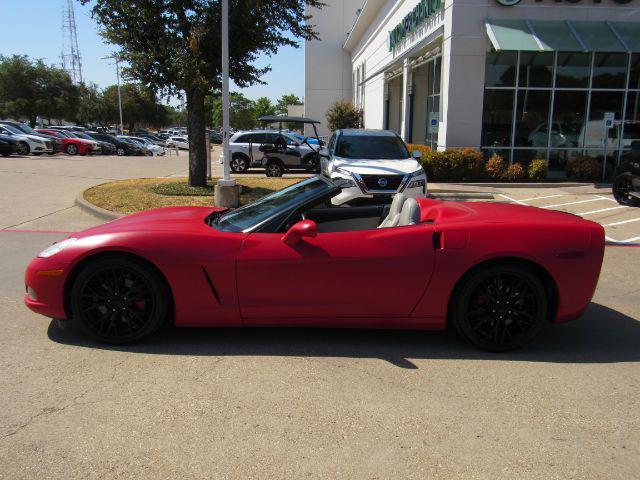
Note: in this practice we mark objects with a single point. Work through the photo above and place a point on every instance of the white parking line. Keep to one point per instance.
(512, 199)
(601, 210)
(572, 203)
(606, 198)
(628, 241)
(540, 198)
(622, 222)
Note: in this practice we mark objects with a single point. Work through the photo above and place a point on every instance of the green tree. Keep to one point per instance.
(174, 46)
(32, 88)
(242, 112)
(91, 106)
(263, 106)
(343, 115)
(286, 100)
(140, 106)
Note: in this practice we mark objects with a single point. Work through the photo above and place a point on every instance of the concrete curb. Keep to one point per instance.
(95, 210)
(530, 185)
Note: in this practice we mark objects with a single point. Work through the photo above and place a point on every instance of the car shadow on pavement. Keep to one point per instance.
(602, 335)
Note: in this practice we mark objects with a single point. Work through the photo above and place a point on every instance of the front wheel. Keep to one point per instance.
(239, 164)
(119, 300)
(72, 149)
(23, 148)
(499, 308)
(274, 169)
(120, 152)
(623, 189)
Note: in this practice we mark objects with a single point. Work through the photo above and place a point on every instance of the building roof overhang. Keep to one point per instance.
(367, 15)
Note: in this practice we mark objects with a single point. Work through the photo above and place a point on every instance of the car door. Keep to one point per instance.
(353, 275)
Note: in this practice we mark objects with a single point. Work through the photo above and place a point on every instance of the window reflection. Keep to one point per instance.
(500, 69)
(532, 118)
(573, 70)
(568, 118)
(497, 117)
(596, 133)
(536, 69)
(609, 70)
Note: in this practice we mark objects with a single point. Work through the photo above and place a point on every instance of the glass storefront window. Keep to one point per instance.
(634, 74)
(596, 132)
(569, 108)
(558, 159)
(525, 156)
(532, 117)
(609, 70)
(437, 65)
(572, 70)
(500, 69)
(536, 69)
(631, 132)
(497, 118)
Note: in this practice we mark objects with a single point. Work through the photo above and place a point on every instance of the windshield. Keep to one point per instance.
(13, 129)
(83, 135)
(371, 147)
(268, 207)
(24, 129)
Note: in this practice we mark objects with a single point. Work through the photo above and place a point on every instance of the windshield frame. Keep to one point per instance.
(213, 220)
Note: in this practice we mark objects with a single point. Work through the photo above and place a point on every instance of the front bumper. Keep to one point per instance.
(357, 192)
(44, 287)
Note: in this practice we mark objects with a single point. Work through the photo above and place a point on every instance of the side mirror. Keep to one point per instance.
(304, 228)
(417, 154)
(324, 152)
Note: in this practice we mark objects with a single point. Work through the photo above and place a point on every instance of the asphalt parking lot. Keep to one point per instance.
(256, 403)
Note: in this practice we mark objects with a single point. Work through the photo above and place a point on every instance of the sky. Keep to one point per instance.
(33, 28)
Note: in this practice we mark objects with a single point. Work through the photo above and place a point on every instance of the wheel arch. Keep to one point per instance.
(534, 267)
(77, 268)
(240, 154)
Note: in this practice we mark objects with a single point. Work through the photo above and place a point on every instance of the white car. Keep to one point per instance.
(374, 165)
(178, 142)
(152, 148)
(28, 143)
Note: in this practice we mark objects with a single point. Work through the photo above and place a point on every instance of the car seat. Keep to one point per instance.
(410, 214)
(392, 219)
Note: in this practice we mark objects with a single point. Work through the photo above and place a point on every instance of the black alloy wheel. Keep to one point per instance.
(119, 300)
(23, 148)
(500, 308)
(238, 164)
(622, 188)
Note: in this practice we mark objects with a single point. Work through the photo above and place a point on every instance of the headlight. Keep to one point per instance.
(57, 247)
(415, 181)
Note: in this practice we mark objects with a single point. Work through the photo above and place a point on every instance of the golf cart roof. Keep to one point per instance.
(285, 118)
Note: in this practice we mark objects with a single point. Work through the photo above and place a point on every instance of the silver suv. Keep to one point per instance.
(246, 153)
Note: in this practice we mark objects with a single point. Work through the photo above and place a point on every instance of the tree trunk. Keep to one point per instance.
(196, 133)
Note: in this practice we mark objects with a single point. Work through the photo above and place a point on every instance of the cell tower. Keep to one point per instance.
(71, 60)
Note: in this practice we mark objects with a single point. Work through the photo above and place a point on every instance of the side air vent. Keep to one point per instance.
(210, 283)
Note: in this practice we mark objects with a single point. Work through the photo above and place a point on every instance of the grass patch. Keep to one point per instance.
(129, 196)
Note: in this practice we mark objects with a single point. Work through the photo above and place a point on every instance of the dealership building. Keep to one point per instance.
(526, 79)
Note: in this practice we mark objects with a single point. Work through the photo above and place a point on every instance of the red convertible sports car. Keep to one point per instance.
(496, 272)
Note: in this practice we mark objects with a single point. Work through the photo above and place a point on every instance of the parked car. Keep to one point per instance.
(376, 165)
(57, 144)
(155, 139)
(106, 148)
(71, 145)
(27, 143)
(214, 136)
(178, 142)
(8, 145)
(122, 147)
(245, 149)
(496, 272)
(152, 148)
(626, 185)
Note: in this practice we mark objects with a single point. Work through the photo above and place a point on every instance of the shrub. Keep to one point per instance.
(421, 148)
(496, 167)
(538, 169)
(473, 161)
(514, 172)
(343, 115)
(458, 164)
(584, 168)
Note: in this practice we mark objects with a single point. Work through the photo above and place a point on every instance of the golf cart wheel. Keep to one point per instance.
(72, 149)
(622, 188)
(23, 148)
(274, 169)
(239, 164)
(149, 153)
(120, 152)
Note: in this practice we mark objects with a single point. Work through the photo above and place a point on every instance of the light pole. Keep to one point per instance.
(226, 191)
(117, 60)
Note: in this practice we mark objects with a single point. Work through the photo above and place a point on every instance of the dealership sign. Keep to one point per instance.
(509, 3)
(424, 10)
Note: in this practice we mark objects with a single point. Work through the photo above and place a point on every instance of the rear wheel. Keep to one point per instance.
(23, 148)
(120, 152)
(119, 300)
(239, 164)
(274, 169)
(499, 308)
(71, 149)
(622, 189)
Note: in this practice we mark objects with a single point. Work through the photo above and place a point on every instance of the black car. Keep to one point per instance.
(122, 147)
(626, 185)
(57, 144)
(8, 145)
(214, 137)
(106, 148)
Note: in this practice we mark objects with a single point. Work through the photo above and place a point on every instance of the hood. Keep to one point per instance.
(169, 219)
(377, 167)
(33, 138)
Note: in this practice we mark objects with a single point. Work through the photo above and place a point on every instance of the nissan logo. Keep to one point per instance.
(382, 182)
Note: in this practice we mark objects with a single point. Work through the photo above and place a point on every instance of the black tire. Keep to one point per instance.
(622, 186)
(104, 285)
(23, 149)
(274, 169)
(239, 163)
(500, 307)
(71, 149)
(121, 152)
(6, 154)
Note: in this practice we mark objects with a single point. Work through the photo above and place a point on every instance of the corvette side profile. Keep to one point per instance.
(495, 272)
